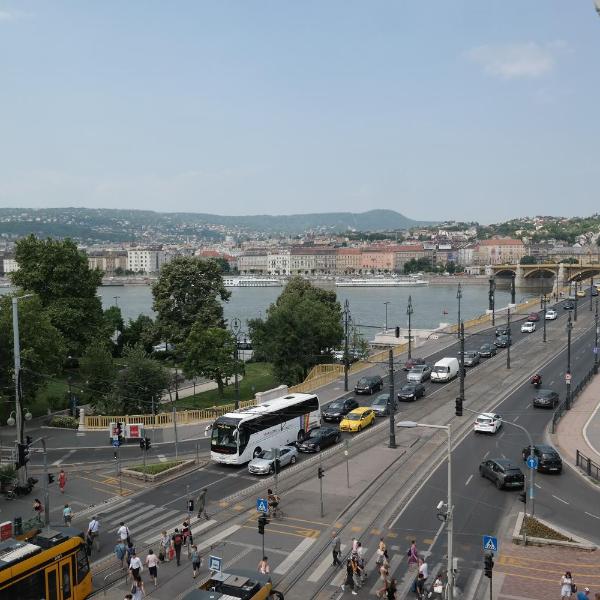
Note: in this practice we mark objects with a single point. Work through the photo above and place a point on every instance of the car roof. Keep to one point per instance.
(360, 410)
(545, 392)
(546, 448)
(504, 462)
(487, 415)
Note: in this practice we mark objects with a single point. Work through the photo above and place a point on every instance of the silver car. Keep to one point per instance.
(419, 374)
(265, 463)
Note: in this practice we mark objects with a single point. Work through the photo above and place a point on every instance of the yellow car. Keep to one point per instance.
(581, 293)
(358, 419)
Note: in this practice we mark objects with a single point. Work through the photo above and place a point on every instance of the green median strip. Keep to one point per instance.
(156, 468)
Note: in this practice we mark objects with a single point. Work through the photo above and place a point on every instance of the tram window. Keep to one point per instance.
(66, 580)
(52, 584)
(83, 566)
(29, 587)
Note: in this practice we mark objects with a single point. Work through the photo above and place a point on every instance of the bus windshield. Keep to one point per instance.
(224, 438)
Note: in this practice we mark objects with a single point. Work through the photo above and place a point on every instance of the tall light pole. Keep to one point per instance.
(346, 333)
(386, 314)
(459, 298)
(391, 400)
(509, 340)
(492, 300)
(591, 287)
(409, 312)
(596, 350)
(449, 506)
(576, 303)
(236, 327)
(544, 303)
(568, 373)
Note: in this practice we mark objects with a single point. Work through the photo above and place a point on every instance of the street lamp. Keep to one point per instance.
(386, 314)
(544, 303)
(409, 312)
(391, 399)
(568, 373)
(449, 507)
(236, 328)
(458, 297)
(492, 300)
(576, 302)
(596, 339)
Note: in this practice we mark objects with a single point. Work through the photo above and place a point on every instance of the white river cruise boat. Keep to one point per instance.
(383, 282)
(251, 282)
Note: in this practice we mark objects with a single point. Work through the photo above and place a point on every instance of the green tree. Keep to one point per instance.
(42, 347)
(140, 383)
(210, 352)
(303, 322)
(140, 331)
(59, 274)
(98, 371)
(188, 290)
(528, 260)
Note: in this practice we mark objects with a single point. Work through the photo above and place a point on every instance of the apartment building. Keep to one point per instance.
(146, 260)
(253, 262)
(406, 253)
(278, 262)
(378, 259)
(107, 261)
(10, 265)
(499, 251)
(348, 261)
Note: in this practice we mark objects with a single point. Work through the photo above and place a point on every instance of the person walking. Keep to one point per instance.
(413, 554)
(188, 540)
(566, 583)
(177, 543)
(384, 571)
(420, 587)
(165, 546)
(135, 566)
(349, 581)
(357, 572)
(196, 560)
(424, 568)
(94, 532)
(120, 552)
(129, 552)
(391, 590)
(336, 549)
(152, 564)
(123, 532)
(38, 509)
(584, 594)
(263, 566)
(137, 589)
(437, 589)
(360, 559)
(201, 502)
(67, 515)
(62, 481)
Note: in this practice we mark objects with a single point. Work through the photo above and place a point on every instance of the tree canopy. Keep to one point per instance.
(302, 323)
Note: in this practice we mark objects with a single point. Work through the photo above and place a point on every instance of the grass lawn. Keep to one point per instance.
(155, 468)
(258, 378)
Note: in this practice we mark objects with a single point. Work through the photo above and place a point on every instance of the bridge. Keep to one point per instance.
(561, 274)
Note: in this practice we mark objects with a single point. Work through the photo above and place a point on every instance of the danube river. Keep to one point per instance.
(432, 305)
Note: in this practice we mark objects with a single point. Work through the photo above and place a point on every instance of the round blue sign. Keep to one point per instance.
(532, 462)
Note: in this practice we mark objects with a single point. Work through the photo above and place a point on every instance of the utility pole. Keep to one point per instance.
(321, 475)
(492, 300)
(509, 339)
(461, 393)
(596, 350)
(346, 357)
(458, 297)
(391, 400)
(409, 312)
(568, 373)
(236, 326)
(544, 302)
(175, 431)
(46, 492)
(591, 287)
(386, 314)
(450, 521)
(512, 288)
(576, 302)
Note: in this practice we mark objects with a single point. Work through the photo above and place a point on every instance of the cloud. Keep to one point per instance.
(512, 61)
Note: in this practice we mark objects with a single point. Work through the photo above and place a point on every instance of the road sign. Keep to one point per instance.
(490, 543)
(115, 443)
(568, 377)
(215, 563)
(532, 462)
(262, 505)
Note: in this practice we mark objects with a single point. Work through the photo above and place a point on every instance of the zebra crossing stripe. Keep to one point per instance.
(324, 565)
(293, 556)
(195, 530)
(128, 515)
(165, 514)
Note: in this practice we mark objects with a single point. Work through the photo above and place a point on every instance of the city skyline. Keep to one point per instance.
(438, 112)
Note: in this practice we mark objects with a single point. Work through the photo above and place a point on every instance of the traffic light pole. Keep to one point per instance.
(391, 401)
(568, 373)
(346, 357)
(321, 484)
(509, 339)
(46, 492)
(544, 302)
(596, 350)
(17, 364)
(409, 312)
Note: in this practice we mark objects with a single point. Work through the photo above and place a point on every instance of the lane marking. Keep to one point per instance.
(469, 480)
(161, 457)
(486, 455)
(62, 458)
(529, 405)
(537, 485)
(516, 419)
(219, 537)
(560, 499)
(293, 556)
(591, 515)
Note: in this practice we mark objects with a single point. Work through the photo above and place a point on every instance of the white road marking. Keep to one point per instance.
(469, 480)
(591, 515)
(529, 405)
(161, 457)
(325, 564)
(516, 419)
(538, 486)
(62, 458)
(293, 556)
(486, 455)
(551, 383)
(560, 499)
(219, 537)
(503, 456)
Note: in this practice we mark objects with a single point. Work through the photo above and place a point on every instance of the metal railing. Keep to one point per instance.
(588, 465)
(575, 391)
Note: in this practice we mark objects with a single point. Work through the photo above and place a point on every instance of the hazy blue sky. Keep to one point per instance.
(479, 109)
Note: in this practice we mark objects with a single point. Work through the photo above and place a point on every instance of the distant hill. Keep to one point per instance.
(110, 225)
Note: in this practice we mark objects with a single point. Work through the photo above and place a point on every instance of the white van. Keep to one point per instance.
(445, 369)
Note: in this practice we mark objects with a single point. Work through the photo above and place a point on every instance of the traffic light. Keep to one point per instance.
(397, 332)
(22, 455)
(262, 521)
(147, 442)
(459, 407)
(488, 563)
(321, 473)
(50, 478)
(190, 506)
(142, 443)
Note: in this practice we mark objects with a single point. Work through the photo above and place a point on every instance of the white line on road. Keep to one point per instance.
(219, 537)
(469, 480)
(591, 515)
(560, 499)
(516, 419)
(503, 456)
(538, 486)
(63, 458)
(529, 405)
(325, 564)
(551, 383)
(293, 556)
(161, 457)
(486, 455)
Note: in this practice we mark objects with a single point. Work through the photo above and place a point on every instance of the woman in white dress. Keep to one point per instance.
(566, 581)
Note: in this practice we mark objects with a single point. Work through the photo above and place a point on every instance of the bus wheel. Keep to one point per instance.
(301, 436)
(257, 452)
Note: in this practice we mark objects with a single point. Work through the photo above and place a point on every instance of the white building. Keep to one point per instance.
(145, 260)
(278, 262)
(10, 265)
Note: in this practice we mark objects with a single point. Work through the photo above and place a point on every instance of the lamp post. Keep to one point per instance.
(449, 507)
(386, 314)
(492, 300)
(509, 340)
(544, 303)
(391, 400)
(459, 298)
(576, 303)
(236, 327)
(596, 339)
(409, 312)
(346, 314)
(591, 288)
(568, 373)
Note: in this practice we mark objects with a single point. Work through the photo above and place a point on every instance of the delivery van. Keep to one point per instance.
(445, 369)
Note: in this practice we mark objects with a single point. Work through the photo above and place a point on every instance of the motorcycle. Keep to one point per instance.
(536, 382)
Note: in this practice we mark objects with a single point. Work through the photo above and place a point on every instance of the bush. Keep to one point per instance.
(156, 468)
(64, 421)
(7, 474)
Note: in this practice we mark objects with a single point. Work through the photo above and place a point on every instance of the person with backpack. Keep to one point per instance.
(196, 560)
(67, 515)
(165, 547)
(120, 552)
(188, 540)
(177, 543)
(137, 589)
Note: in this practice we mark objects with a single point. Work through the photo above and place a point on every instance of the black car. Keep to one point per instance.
(502, 330)
(411, 391)
(549, 459)
(368, 385)
(503, 473)
(338, 409)
(487, 350)
(568, 305)
(503, 341)
(546, 399)
(471, 358)
(320, 438)
(381, 407)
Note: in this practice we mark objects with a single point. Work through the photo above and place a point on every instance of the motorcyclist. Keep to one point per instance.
(536, 380)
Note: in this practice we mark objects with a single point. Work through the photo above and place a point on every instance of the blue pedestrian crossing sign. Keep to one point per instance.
(215, 563)
(115, 443)
(490, 543)
(532, 462)
(262, 505)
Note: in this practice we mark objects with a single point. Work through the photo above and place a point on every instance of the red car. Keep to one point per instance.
(533, 317)
(413, 362)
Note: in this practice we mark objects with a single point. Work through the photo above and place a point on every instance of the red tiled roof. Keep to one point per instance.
(501, 242)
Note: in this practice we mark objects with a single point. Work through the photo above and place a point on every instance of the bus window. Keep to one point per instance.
(52, 583)
(66, 579)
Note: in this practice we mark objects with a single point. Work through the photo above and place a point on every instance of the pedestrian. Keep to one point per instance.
(187, 536)
(196, 560)
(384, 571)
(135, 566)
(420, 587)
(360, 559)
(413, 554)
(201, 501)
(381, 552)
(356, 572)
(354, 545)
(391, 590)
(424, 568)
(165, 546)
(123, 532)
(130, 552)
(566, 583)
(120, 552)
(38, 509)
(62, 481)
(137, 589)
(336, 549)
(437, 588)
(263, 566)
(349, 581)
(152, 564)
(94, 532)
(583, 595)
(177, 543)
(67, 515)
(127, 597)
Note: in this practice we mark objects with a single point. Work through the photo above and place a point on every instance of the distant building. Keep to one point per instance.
(466, 255)
(145, 260)
(278, 262)
(107, 261)
(348, 261)
(500, 251)
(10, 265)
(252, 262)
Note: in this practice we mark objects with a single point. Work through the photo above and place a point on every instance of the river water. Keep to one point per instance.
(366, 304)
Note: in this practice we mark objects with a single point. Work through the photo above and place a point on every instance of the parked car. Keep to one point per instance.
(502, 330)
(471, 358)
(503, 341)
(358, 419)
(580, 293)
(338, 409)
(487, 423)
(528, 327)
(381, 407)
(419, 374)
(549, 459)
(546, 399)
(445, 369)
(568, 305)
(369, 385)
(264, 464)
(551, 314)
(413, 362)
(487, 350)
(535, 317)
(503, 473)
(320, 438)
(411, 391)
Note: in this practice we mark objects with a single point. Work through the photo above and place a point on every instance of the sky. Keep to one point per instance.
(462, 109)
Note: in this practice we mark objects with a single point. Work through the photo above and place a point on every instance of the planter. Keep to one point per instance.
(184, 464)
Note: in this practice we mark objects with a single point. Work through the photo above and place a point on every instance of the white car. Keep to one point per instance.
(551, 314)
(487, 423)
(528, 327)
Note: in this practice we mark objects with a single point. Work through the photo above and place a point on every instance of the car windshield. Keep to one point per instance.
(363, 381)
(224, 435)
(440, 369)
(268, 455)
(314, 434)
(380, 401)
(548, 455)
(408, 388)
(354, 417)
(417, 370)
(336, 406)
(470, 354)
